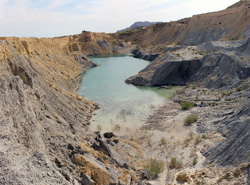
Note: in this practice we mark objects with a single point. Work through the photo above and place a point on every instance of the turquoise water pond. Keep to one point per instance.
(121, 104)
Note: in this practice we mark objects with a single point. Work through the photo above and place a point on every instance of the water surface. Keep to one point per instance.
(121, 104)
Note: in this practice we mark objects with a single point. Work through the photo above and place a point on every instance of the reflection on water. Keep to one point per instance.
(121, 104)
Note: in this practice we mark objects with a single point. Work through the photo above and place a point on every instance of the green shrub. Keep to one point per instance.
(174, 163)
(192, 118)
(154, 167)
(131, 138)
(186, 142)
(195, 161)
(196, 98)
(149, 142)
(193, 152)
(213, 104)
(198, 139)
(185, 105)
(191, 135)
(163, 141)
(114, 43)
(238, 89)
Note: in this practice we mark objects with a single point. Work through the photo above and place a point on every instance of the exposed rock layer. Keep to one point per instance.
(211, 71)
(101, 43)
(40, 111)
(44, 122)
(235, 149)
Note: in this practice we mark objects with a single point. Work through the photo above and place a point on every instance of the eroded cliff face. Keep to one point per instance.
(40, 111)
(44, 122)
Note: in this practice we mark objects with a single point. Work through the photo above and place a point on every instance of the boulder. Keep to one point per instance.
(182, 176)
(145, 54)
(108, 135)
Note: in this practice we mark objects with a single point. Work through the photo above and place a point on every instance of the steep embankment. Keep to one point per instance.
(230, 24)
(44, 124)
(40, 112)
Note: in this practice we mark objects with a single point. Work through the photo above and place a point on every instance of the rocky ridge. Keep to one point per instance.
(197, 29)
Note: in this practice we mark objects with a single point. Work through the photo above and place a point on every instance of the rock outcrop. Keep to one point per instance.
(239, 47)
(90, 43)
(144, 54)
(234, 150)
(212, 71)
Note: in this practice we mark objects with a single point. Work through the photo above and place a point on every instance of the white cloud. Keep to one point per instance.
(48, 18)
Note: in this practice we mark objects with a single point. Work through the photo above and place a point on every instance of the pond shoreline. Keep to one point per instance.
(120, 103)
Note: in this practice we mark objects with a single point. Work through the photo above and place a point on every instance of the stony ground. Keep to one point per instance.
(165, 136)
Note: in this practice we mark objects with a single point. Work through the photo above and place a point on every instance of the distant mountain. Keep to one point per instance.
(142, 24)
(137, 25)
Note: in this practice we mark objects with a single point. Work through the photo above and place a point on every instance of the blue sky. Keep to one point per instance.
(50, 18)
